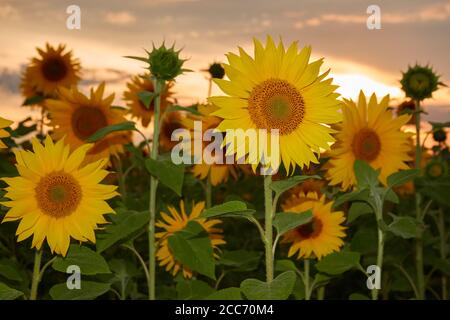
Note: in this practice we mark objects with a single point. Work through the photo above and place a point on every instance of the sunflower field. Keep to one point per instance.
(345, 199)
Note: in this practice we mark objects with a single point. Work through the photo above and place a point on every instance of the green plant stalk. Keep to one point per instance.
(36, 275)
(268, 239)
(380, 253)
(443, 251)
(321, 293)
(153, 186)
(208, 191)
(419, 217)
(306, 280)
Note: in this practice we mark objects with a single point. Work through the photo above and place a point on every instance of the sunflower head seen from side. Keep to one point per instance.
(174, 221)
(77, 117)
(3, 133)
(55, 197)
(54, 68)
(137, 109)
(278, 89)
(319, 237)
(368, 132)
(419, 82)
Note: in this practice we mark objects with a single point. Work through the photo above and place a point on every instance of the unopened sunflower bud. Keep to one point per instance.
(436, 168)
(439, 135)
(420, 82)
(216, 70)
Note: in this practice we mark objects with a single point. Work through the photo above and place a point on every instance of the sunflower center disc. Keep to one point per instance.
(311, 229)
(419, 81)
(54, 69)
(86, 121)
(366, 145)
(58, 194)
(276, 104)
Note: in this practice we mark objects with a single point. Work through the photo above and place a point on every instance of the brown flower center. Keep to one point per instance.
(54, 69)
(87, 120)
(58, 194)
(366, 145)
(311, 229)
(276, 104)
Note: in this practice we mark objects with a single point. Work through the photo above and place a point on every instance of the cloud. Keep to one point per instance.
(121, 18)
(8, 12)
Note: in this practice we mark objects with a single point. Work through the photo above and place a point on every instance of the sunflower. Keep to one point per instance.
(55, 68)
(407, 107)
(55, 197)
(137, 109)
(278, 89)
(170, 122)
(218, 172)
(370, 133)
(319, 237)
(173, 222)
(78, 117)
(295, 194)
(3, 133)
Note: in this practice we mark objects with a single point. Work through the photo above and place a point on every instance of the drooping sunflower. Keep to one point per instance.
(278, 89)
(54, 68)
(55, 197)
(218, 172)
(370, 133)
(138, 110)
(319, 237)
(77, 117)
(174, 221)
(3, 133)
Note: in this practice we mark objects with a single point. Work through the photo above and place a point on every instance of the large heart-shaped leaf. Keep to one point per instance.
(7, 293)
(283, 185)
(228, 209)
(168, 173)
(338, 262)
(279, 288)
(103, 132)
(89, 262)
(89, 290)
(285, 221)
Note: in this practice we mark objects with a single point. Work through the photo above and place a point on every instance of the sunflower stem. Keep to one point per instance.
(443, 250)
(36, 275)
(321, 293)
(380, 252)
(306, 280)
(159, 84)
(268, 227)
(419, 216)
(208, 191)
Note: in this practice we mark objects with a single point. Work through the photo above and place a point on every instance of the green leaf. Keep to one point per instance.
(10, 270)
(192, 247)
(146, 97)
(33, 100)
(283, 185)
(440, 264)
(401, 177)
(338, 262)
(405, 227)
(226, 294)
(358, 195)
(228, 209)
(191, 109)
(193, 290)
(366, 176)
(388, 194)
(7, 293)
(103, 132)
(90, 262)
(124, 224)
(437, 189)
(285, 221)
(285, 265)
(168, 173)
(358, 296)
(279, 288)
(89, 290)
(358, 209)
(240, 260)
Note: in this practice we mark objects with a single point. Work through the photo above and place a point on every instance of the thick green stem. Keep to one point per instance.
(306, 280)
(36, 275)
(268, 227)
(153, 186)
(321, 293)
(208, 191)
(380, 252)
(419, 216)
(443, 251)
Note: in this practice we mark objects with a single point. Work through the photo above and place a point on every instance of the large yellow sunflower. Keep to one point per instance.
(173, 222)
(56, 198)
(78, 117)
(278, 89)
(218, 172)
(370, 133)
(137, 109)
(3, 133)
(55, 68)
(322, 235)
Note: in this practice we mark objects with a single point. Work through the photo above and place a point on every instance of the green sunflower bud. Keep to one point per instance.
(216, 70)
(164, 63)
(420, 82)
(436, 168)
(440, 135)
